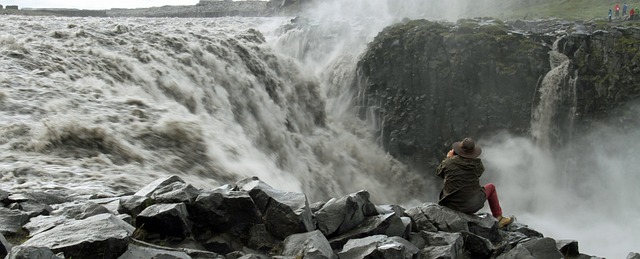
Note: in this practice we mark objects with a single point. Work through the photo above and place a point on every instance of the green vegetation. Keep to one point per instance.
(533, 9)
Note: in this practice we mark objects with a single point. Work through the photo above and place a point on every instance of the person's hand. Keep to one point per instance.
(450, 154)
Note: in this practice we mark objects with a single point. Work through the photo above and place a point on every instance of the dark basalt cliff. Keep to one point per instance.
(427, 84)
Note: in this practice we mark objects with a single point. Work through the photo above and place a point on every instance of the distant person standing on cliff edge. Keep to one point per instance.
(624, 9)
(631, 14)
(609, 14)
(617, 8)
(461, 171)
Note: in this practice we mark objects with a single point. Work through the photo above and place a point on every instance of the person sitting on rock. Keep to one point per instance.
(461, 171)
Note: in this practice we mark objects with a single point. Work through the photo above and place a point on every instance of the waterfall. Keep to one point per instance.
(111, 104)
(556, 88)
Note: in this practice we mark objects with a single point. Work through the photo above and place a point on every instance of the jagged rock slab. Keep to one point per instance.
(90, 209)
(134, 204)
(224, 210)
(30, 252)
(137, 251)
(308, 245)
(104, 236)
(524, 229)
(32, 208)
(11, 221)
(152, 187)
(42, 197)
(379, 246)
(284, 213)
(389, 225)
(568, 248)
(167, 220)
(176, 192)
(430, 215)
(341, 215)
(438, 244)
(43, 223)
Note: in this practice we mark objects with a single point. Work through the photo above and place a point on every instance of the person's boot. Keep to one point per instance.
(504, 221)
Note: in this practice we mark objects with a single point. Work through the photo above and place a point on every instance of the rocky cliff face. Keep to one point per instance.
(423, 85)
(607, 66)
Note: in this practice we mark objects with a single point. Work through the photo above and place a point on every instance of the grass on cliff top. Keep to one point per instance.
(564, 9)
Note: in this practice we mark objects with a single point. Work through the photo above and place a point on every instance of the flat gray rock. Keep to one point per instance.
(104, 236)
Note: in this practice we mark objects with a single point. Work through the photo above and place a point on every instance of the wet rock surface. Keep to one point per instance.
(240, 229)
(429, 83)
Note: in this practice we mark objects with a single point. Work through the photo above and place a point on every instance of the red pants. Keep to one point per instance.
(492, 198)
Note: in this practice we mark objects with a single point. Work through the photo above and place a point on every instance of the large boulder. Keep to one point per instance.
(340, 215)
(224, 210)
(11, 221)
(438, 244)
(166, 220)
(284, 213)
(103, 236)
(134, 204)
(389, 225)
(430, 215)
(308, 245)
(379, 246)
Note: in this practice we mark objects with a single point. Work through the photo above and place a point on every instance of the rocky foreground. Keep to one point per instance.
(249, 219)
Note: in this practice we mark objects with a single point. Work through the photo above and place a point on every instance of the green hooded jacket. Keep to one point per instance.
(462, 190)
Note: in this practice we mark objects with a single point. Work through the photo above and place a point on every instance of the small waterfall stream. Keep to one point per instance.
(557, 88)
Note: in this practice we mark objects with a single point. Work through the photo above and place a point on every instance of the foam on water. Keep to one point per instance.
(111, 104)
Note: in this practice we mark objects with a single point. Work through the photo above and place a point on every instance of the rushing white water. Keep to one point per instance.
(107, 105)
(543, 128)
